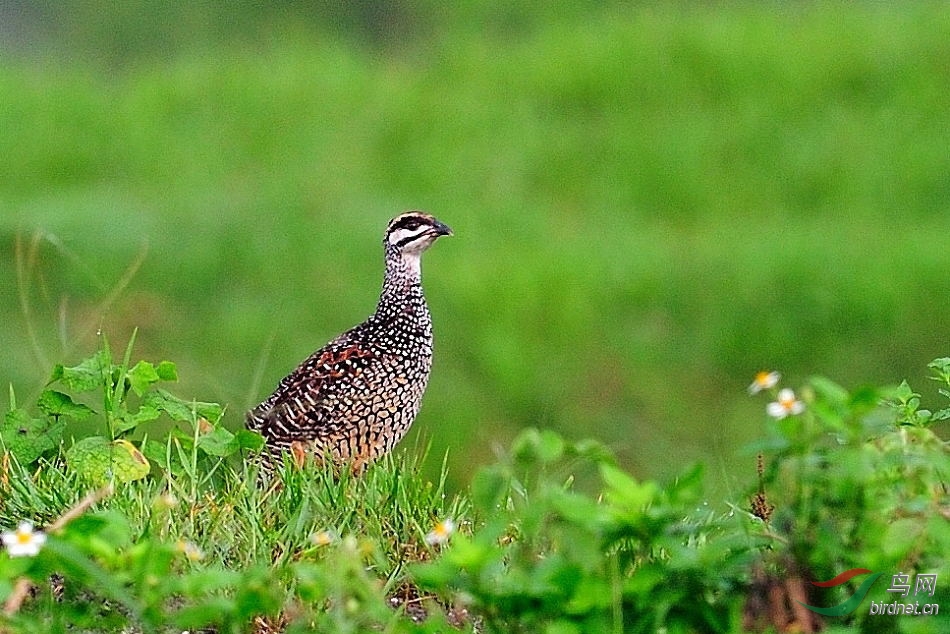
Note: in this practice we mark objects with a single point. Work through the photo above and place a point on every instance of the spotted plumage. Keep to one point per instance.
(354, 399)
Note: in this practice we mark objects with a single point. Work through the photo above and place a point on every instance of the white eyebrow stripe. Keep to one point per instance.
(403, 235)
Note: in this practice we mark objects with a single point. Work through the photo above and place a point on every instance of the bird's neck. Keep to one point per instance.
(403, 280)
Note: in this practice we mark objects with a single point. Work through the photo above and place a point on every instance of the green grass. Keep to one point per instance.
(551, 536)
(650, 205)
(207, 540)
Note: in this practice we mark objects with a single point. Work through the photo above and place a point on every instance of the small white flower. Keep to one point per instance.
(441, 533)
(763, 381)
(323, 538)
(786, 405)
(24, 541)
(189, 550)
(165, 502)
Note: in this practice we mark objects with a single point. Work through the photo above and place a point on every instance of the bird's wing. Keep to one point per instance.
(303, 403)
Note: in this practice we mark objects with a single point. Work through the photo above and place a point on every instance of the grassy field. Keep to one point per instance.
(650, 205)
(552, 536)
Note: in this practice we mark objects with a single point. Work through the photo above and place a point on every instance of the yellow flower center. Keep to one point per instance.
(442, 530)
(762, 378)
(23, 538)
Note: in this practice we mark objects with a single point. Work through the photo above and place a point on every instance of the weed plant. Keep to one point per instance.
(181, 532)
(643, 194)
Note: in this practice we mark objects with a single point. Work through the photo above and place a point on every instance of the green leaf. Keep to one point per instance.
(829, 390)
(489, 487)
(53, 404)
(157, 452)
(940, 366)
(580, 510)
(176, 409)
(99, 461)
(250, 440)
(550, 446)
(128, 421)
(543, 446)
(142, 376)
(903, 393)
(167, 371)
(28, 438)
(181, 410)
(218, 442)
(593, 594)
(593, 450)
(89, 375)
(624, 490)
(471, 555)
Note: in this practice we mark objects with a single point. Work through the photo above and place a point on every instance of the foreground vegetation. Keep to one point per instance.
(648, 200)
(177, 532)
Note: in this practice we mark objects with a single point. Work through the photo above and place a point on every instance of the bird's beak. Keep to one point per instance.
(442, 229)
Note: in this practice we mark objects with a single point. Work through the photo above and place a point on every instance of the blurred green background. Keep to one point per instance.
(651, 202)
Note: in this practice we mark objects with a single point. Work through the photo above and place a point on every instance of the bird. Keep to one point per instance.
(354, 399)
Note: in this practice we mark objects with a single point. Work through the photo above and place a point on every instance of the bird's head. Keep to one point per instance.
(411, 233)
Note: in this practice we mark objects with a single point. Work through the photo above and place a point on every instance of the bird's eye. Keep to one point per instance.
(412, 225)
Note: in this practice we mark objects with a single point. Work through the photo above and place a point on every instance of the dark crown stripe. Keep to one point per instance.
(404, 221)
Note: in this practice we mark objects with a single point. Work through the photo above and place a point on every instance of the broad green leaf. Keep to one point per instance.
(248, 439)
(941, 366)
(28, 438)
(176, 409)
(53, 404)
(181, 410)
(623, 489)
(128, 420)
(166, 371)
(550, 446)
(524, 446)
(91, 457)
(593, 450)
(100, 461)
(157, 452)
(86, 376)
(591, 595)
(142, 376)
(903, 393)
(218, 442)
(471, 555)
(532, 445)
(580, 510)
(829, 390)
(687, 488)
(489, 487)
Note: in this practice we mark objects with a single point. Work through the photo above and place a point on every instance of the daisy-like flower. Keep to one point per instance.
(165, 502)
(441, 533)
(786, 405)
(323, 538)
(764, 380)
(189, 550)
(24, 541)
